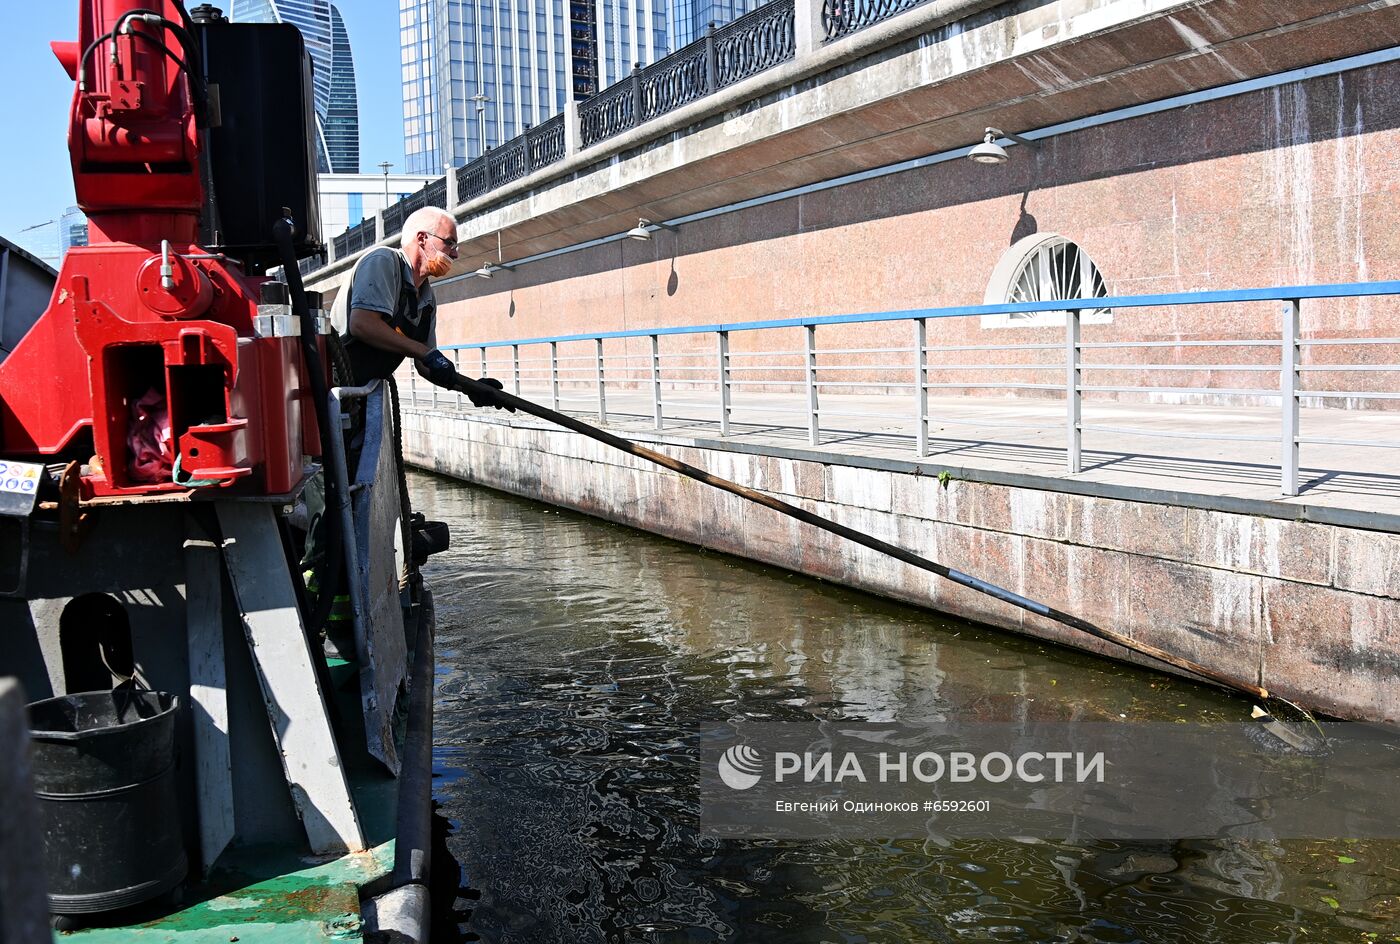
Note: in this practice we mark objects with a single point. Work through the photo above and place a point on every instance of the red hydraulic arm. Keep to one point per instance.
(149, 341)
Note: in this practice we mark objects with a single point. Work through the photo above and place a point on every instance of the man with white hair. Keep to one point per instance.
(388, 313)
(392, 309)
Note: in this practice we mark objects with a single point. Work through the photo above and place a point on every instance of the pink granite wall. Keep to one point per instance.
(1298, 184)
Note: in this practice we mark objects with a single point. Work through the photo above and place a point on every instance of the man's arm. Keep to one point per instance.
(371, 328)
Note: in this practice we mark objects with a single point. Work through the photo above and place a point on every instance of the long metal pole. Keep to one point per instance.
(456, 363)
(598, 377)
(554, 374)
(491, 394)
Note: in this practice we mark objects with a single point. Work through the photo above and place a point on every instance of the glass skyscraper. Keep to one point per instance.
(333, 74)
(72, 229)
(689, 18)
(476, 73)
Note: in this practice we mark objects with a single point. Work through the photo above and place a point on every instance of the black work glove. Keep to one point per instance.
(439, 369)
(485, 399)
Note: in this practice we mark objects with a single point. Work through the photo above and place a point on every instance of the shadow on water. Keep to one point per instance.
(578, 659)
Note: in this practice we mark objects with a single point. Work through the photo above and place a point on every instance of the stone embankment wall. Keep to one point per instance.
(1310, 611)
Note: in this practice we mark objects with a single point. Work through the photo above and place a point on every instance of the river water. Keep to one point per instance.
(577, 659)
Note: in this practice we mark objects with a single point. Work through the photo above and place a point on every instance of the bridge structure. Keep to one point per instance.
(1145, 368)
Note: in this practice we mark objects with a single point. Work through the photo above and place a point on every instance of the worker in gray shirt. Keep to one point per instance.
(388, 313)
(392, 310)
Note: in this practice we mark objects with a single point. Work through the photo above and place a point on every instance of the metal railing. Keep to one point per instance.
(672, 364)
(434, 193)
(842, 17)
(758, 40)
(518, 157)
(360, 236)
(610, 112)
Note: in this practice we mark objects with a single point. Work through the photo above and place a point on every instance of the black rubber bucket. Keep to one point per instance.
(104, 773)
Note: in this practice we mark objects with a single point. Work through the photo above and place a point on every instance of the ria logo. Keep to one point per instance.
(740, 766)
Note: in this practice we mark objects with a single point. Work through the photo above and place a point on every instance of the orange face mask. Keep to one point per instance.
(439, 265)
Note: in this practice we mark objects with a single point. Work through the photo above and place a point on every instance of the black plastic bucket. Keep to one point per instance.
(104, 773)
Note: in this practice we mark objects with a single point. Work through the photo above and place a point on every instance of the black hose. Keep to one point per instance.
(199, 90)
(184, 15)
(282, 232)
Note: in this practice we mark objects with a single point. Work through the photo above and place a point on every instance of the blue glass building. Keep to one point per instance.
(333, 73)
(476, 73)
(689, 18)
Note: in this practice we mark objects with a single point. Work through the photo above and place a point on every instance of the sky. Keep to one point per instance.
(36, 180)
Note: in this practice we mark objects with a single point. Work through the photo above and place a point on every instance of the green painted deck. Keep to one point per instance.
(280, 893)
(263, 894)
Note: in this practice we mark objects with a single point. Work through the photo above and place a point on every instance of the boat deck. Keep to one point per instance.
(264, 894)
(275, 893)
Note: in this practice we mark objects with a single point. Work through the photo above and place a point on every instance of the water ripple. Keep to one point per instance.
(576, 661)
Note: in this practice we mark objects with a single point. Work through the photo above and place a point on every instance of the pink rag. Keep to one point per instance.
(152, 457)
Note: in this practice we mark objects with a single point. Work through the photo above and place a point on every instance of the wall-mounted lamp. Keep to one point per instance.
(489, 269)
(989, 152)
(644, 228)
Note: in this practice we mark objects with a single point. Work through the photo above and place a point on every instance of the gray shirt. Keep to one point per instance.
(383, 283)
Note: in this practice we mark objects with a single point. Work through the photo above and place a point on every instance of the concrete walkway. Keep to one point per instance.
(1022, 441)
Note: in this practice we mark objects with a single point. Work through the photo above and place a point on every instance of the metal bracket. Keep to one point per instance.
(277, 321)
(73, 522)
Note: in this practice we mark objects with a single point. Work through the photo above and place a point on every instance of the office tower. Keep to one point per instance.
(333, 73)
(476, 73)
(342, 120)
(689, 18)
(421, 150)
(477, 70)
(72, 229)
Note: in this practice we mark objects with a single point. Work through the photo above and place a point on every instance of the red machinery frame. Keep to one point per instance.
(143, 307)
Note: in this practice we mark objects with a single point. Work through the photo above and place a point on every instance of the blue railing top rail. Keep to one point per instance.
(1219, 297)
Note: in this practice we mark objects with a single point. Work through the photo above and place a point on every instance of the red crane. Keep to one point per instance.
(151, 366)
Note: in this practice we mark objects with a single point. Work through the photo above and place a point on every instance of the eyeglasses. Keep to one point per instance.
(446, 243)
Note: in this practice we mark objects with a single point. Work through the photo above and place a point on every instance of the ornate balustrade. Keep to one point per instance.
(756, 41)
(678, 79)
(518, 157)
(357, 237)
(546, 143)
(612, 111)
(840, 17)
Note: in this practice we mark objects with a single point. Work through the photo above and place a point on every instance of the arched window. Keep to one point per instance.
(1044, 267)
